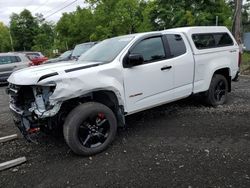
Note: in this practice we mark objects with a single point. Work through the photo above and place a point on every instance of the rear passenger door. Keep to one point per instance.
(181, 57)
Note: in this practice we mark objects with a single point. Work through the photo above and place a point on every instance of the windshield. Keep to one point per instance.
(65, 54)
(107, 50)
(80, 49)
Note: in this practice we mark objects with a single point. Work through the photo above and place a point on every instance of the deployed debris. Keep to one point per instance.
(8, 138)
(12, 163)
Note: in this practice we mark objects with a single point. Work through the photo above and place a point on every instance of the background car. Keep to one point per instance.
(10, 62)
(81, 48)
(37, 58)
(63, 57)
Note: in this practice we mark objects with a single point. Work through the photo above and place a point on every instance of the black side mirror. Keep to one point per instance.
(133, 60)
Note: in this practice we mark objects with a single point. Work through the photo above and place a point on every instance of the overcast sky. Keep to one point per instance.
(46, 7)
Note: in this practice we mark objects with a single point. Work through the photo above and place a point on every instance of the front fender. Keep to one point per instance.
(77, 84)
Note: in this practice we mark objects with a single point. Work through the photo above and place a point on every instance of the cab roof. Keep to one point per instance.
(199, 29)
(187, 30)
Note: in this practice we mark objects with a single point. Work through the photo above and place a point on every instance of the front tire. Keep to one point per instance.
(218, 91)
(90, 128)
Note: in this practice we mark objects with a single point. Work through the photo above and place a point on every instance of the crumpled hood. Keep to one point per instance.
(32, 75)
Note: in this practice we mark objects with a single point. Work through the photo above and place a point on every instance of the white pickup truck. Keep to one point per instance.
(90, 98)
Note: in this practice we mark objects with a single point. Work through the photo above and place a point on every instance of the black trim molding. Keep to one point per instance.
(80, 68)
(47, 76)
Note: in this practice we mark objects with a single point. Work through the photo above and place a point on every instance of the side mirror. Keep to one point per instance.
(133, 60)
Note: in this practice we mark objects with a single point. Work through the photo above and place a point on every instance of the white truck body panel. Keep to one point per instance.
(143, 86)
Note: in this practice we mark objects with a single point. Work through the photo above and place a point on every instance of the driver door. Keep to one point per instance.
(151, 83)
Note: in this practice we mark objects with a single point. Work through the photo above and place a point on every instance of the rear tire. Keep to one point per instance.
(90, 128)
(218, 91)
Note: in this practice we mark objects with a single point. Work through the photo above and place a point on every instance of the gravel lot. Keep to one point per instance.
(183, 144)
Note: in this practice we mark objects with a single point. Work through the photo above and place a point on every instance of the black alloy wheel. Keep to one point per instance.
(218, 91)
(90, 128)
(94, 131)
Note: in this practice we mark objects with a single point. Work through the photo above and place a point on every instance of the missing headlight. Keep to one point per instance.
(42, 94)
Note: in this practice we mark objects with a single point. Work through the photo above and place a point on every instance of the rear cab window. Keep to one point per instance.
(212, 40)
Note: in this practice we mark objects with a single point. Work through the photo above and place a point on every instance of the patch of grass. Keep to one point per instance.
(245, 66)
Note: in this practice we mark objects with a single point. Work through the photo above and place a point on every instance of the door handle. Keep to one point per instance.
(166, 68)
(232, 51)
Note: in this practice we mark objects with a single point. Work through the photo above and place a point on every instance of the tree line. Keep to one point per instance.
(102, 19)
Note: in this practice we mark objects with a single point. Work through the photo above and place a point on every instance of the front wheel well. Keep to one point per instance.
(226, 73)
(107, 98)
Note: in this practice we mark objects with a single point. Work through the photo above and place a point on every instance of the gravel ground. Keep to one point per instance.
(183, 144)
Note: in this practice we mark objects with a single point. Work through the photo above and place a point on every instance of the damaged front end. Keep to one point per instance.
(31, 107)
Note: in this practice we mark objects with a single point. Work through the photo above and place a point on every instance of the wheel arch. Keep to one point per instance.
(106, 97)
(226, 73)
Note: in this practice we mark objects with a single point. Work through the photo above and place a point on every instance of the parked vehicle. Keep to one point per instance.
(66, 56)
(121, 76)
(37, 58)
(81, 48)
(10, 62)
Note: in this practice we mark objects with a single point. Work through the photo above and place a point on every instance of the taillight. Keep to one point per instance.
(239, 60)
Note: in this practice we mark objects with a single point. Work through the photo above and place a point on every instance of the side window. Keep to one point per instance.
(223, 39)
(203, 41)
(212, 40)
(18, 59)
(151, 49)
(5, 60)
(13, 59)
(9, 59)
(176, 45)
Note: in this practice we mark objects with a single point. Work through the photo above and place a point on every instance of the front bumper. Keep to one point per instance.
(31, 111)
(23, 122)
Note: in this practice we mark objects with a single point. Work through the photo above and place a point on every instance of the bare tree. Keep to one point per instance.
(236, 30)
